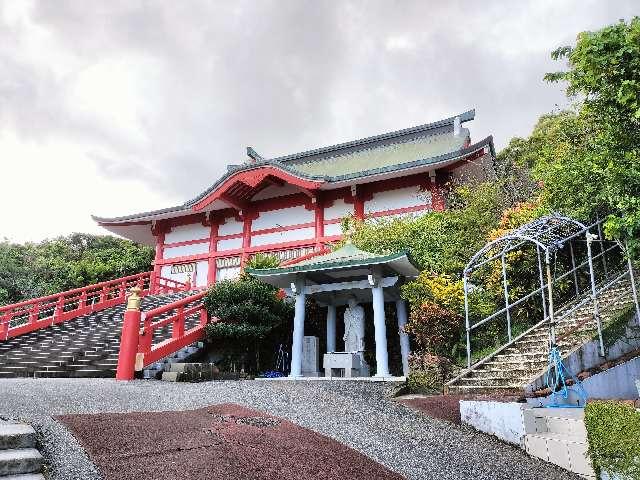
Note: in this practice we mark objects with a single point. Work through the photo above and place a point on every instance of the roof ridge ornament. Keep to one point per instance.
(253, 155)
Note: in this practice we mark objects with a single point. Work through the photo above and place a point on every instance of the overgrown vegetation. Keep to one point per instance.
(35, 269)
(613, 430)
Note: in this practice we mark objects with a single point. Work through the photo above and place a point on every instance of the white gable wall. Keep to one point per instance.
(184, 233)
(230, 227)
(184, 250)
(283, 217)
(339, 209)
(396, 199)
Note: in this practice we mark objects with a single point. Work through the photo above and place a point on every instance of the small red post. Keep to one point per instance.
(34, 313)
(178, 324)
(4, 326)
(129, 337)
(59, 310)
(204, 316)
(82, 303)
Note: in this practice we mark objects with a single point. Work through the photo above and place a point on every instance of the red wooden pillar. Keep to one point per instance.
(437, 196)
(248, 217)
(129, 337)
(213, 248)
(157, 268)
(319, 211)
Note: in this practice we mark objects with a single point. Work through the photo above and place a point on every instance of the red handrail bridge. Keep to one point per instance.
(185, 317)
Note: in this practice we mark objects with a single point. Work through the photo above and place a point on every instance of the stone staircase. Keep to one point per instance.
(558, 436)
(510, 369)
(87, 346)
(19, 459)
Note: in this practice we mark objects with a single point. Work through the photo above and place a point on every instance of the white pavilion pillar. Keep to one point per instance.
(401, 311)
(331, 328)
(382, 356)
(298, 330)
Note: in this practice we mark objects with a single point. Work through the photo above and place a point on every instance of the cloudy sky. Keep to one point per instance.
(113, 107)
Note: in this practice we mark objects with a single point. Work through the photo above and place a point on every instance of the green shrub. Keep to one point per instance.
(613, 430)
(249, 311)
(428, 373)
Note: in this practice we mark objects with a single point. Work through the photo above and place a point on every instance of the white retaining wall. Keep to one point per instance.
(502, 419)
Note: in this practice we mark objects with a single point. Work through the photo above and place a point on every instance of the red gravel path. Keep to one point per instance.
(219, 442)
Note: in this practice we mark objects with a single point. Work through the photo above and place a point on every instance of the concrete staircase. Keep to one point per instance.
(514, 366)
(87, 346)
(19, 459)
(558, 436)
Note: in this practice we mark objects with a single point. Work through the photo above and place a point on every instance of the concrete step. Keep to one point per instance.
(16, 435)
(24, 476)
(566, 451)
(19, 461)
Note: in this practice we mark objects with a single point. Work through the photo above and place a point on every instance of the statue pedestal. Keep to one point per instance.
(345, 364)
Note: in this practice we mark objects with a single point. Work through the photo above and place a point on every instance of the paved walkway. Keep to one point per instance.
(354, 413)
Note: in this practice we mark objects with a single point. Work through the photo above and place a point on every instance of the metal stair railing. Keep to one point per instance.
(562, 314)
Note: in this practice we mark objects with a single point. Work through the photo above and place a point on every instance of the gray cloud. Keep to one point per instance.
(210, 78)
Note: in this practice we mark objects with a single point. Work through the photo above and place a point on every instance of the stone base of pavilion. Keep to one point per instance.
(336, 379)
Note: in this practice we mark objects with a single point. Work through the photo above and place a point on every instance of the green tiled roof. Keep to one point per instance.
(346, 256)
(382, 156)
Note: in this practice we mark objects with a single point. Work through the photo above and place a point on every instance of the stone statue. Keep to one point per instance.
(354, 327)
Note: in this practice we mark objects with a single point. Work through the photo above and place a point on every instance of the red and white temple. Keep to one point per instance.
(291, 206)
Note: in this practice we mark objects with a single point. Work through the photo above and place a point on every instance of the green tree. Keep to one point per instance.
(440, 242)
(595, 171)
(51, 266)
(248, 310)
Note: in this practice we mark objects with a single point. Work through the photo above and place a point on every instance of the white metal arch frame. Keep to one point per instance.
(549, 234)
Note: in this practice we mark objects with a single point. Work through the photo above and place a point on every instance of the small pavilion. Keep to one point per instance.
(338, 278)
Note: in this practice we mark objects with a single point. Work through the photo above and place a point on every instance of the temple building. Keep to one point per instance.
(292, 206)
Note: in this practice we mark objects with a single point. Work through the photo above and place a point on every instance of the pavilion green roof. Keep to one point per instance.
(344, 257)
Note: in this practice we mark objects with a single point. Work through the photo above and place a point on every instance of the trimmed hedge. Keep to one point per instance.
(613, 430)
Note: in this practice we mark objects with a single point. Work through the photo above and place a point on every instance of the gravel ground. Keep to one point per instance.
(357, 414)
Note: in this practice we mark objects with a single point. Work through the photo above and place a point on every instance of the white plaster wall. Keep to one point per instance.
(230, 227)
(283, 217)
(502, 419)
(285, 236)
(184, 233)
(229, 244)
(227, 273)
(165, 272)
(332, 229)
(339, 209)
(393, 199)
(183, 250)
(202, 268)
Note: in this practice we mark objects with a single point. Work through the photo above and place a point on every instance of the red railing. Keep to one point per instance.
(168, 285)
(137, 348)
(42, 312)
(30, 315)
